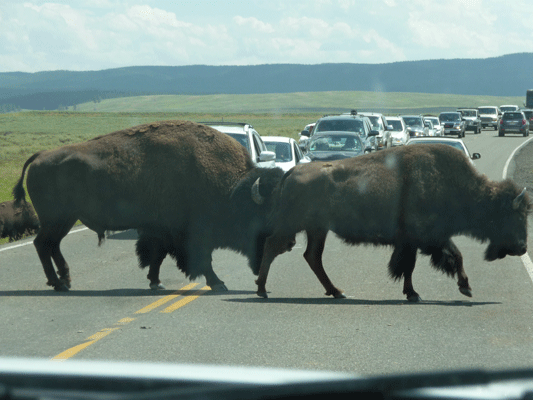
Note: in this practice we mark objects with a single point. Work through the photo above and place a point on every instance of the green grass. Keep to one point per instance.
(321, 102)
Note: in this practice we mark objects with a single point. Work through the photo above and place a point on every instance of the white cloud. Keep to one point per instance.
(39, 35)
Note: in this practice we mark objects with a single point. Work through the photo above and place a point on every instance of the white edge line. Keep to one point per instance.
(31, 242)
(526, 260)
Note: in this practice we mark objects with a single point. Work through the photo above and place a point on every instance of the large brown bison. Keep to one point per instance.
(413, 197)
(17, 219)
(174, 181)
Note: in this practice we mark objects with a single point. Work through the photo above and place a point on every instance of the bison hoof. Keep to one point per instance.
(466, 291)
(219, 287)
(262, 294)
(339, 295)
(61, 288)
(414, 298)
(157, 286)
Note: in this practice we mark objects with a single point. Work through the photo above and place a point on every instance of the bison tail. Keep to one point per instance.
(19, 193)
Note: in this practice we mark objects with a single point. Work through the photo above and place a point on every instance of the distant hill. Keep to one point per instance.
(508, 75)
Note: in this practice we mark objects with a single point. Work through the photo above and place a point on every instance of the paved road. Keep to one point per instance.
(111, 314)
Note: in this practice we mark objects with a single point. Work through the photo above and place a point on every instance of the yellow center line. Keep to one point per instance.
(124, 321)
(165, 299)
(185, 300)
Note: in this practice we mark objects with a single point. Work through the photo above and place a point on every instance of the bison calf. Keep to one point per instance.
(17, 219)
(412, 198)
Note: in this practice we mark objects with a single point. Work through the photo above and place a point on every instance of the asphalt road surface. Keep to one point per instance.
(110, 314)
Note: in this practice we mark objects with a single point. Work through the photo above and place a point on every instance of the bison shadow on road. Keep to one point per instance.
(363, 302)
(132, 292)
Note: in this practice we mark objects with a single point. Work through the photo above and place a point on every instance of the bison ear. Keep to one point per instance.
(519, 199)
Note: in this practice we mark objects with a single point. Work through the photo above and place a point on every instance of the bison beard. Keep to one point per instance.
(174, 181)
(412, 198)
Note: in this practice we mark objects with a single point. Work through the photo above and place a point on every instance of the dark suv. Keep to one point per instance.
(349, 123)
(513, 122)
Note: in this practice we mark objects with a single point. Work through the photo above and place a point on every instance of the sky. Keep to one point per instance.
(102, 34)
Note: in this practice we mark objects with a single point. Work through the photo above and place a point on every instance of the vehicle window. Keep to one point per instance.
(512, 116)
(297, 153)
(396, 125)
(282, 150)
(242, 139)
(342, 125)
(452, 117)
(413, 121)
(468, 113)
(257, 144)
(336, 143)
(489, 110)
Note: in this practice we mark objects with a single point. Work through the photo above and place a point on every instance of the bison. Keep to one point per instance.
(412, 198)
(17, 219)
(186, 187)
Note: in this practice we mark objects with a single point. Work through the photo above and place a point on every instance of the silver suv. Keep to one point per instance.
(246, 135)
(379, 123)
(471, 118)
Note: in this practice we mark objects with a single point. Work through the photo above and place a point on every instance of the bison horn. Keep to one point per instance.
(518, 199)
(256, 196)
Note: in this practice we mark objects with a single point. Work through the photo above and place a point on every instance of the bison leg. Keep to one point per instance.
(274, 246)
(47, 244)
(316, 241)
(450, 260)
(402, 263)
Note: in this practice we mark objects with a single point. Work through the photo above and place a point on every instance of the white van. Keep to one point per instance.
(490, 116)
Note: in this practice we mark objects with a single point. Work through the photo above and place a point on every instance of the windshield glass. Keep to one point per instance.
(468, 113)
(343, 125)
(336, 143)
(451, 117)
(133, 230)
(282, 150)
(413, 121)
(396, 125)
(512, 115)
(488, 110)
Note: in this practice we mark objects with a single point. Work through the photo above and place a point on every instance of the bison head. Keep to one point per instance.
(509, 229)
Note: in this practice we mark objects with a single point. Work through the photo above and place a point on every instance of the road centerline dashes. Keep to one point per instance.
(185, 294)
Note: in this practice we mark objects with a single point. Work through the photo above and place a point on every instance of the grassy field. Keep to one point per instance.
(308, 102)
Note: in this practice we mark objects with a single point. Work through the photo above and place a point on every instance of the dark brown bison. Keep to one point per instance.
(17, 219)
(174, 181)
(413, 197)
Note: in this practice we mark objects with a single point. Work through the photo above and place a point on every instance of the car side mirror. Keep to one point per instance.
(267, 156)
(304, 133)
(373, 133)
(476, 156)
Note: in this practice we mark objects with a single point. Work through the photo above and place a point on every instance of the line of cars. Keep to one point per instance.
(352, 134)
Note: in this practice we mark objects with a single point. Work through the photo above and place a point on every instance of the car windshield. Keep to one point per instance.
(451, 117)
(336, 143)
(457, 145)
(396, 125)
(282, 150)
(133, 230)
(512, 116)
(468, 113)
(413, 121)
(487, 110)
(340, 125)
(375, 121)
